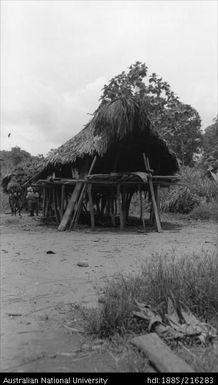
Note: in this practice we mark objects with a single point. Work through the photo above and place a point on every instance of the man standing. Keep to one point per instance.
(36, 202)
(30, 200)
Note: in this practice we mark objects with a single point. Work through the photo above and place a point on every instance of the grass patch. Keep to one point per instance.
(205, 211)
(201, 358)
(192, 280)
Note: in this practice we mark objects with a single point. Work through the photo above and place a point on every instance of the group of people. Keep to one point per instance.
(33, 201)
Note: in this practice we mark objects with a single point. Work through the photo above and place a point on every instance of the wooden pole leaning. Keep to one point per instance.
(77, 212)
(151, 188)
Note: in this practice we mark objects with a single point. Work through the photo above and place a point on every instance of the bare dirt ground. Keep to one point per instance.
(39, 290)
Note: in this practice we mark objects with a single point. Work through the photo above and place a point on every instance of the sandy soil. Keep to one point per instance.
(38, 290)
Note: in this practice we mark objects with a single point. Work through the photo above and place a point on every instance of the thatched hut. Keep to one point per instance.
(119, 138)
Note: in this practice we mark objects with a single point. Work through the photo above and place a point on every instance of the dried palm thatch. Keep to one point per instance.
(119, 129)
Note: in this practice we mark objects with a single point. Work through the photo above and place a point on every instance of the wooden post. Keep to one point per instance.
(140, 199)
(70, 206)
(151, 187)
(120, 207)
(62, 200)
(141, 208)
(44, 200)
(74, 198)
(112, 209)
(55, 204)
(47, 203)
(91, 208)
(158, 196)
(77, 212)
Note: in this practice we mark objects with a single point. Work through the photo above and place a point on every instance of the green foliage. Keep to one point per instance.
(17, 166)
(205, 211)
(177, 123)
(210, 146)
(180, 200)
(192, 279)
(10, 159)
(194, 188)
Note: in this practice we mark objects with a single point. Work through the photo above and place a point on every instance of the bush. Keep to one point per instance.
(192, 280)
(180, 200)
(205, 211)
(193, 189)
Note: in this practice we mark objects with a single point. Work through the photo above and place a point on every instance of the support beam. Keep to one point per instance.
(151, 187)
(91, 208)
(77, 212)
(74, 198)
(120, 207)
(44, 200)
(62, 200)
(54, 193)
(141, 208)
(70, 207)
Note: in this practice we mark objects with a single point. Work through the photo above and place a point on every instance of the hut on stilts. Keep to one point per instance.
(97, 172)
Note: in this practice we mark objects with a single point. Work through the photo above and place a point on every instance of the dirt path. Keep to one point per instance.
(38, 289)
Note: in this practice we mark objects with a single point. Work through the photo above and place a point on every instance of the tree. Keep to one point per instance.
(179, 124)
(210, 146)
(18, 155)
(182, 130)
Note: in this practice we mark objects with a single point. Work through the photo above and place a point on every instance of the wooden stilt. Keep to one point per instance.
(62, 200)
(73, 200)
(91, 208)
(70, 206)
(158, 196)
(77, 212)
(112, 214)
(151, 187)
(140, 199)
(47, 203)
(55, 204)
(103, 204)
(44, 201)
(141, 208)
(151, 218)
(120, 207)
(123, 205)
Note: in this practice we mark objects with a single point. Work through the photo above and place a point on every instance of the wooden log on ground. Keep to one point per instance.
(160, 355)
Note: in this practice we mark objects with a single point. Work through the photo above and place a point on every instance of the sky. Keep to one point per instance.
(56, 57)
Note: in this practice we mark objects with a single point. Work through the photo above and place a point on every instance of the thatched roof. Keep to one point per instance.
(117, 127)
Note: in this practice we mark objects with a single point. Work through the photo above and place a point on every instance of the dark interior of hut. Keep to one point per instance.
(126, 155)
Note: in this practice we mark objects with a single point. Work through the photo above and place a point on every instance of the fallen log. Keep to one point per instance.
(160, 355)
